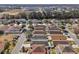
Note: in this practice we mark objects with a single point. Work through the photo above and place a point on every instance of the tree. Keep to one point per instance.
(7, 44)
(13, 42)
(1, 32)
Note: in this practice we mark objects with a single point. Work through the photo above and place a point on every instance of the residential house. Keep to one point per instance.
(58, 39)
(39, 33)
(38, 49)
(13, 30)
(64, 49)
(55, 37)
(35, 21)
(39, 40)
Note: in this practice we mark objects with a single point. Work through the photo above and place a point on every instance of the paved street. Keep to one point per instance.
(18, 46)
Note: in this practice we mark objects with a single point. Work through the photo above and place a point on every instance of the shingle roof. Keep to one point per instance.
(58, 37)
(39, 38)
(55, 32)
(53, 28)
(38, 49)
(40, 26)
(4, 27)
(40, 42)
(60, 42)
(38, 32)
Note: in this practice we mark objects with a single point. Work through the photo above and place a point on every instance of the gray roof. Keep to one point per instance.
(3, 20)
(40, 42)
(21, 20)
(39, 38)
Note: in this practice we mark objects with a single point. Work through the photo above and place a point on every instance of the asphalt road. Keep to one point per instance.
(19, 43)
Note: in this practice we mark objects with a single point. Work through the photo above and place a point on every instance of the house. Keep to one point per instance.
(55, 32)
(56, 37)
(39, 40)
(3, 20)
(3, 27)
(20, 20)
(63, 42)
(13, 30)
(64, 49)
(38, 33)
(38, 26)
(38, 49)
(36, 21)
(53, 28)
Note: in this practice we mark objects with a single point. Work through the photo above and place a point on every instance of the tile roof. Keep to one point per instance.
(1, 45)
(60, 42)
(39, 38)
(39, 28)
(4, 27)
(38, 49)
(55, 32)
(53, 28)
(38, 32)
(58, 37)
(13, 29)
(40, 42)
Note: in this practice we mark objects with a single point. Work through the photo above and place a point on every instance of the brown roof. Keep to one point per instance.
(38, 32)
(39, 28)
(38, 49)
(58, 37)
(45, 43)
(60, 42)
